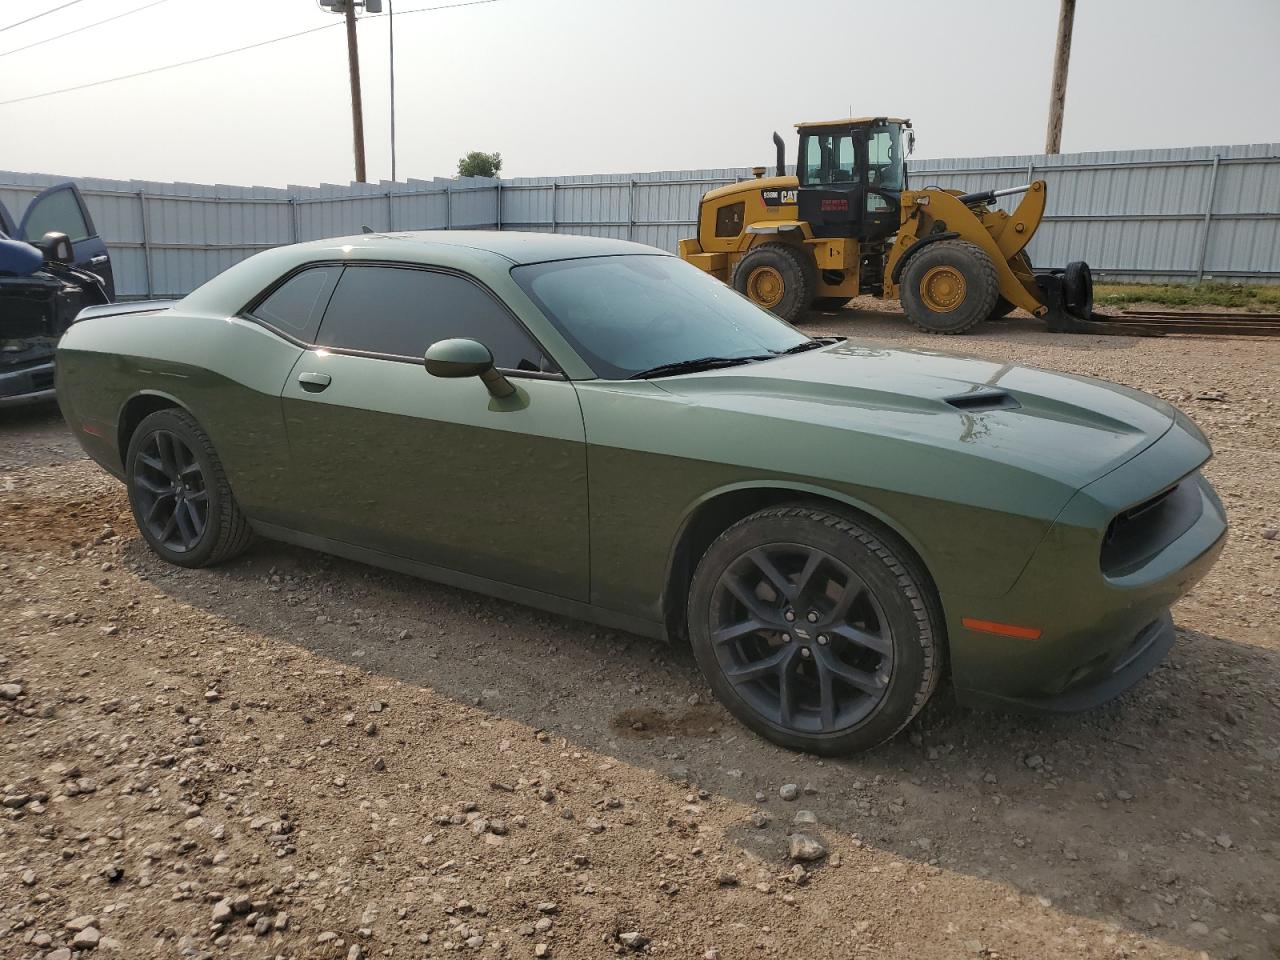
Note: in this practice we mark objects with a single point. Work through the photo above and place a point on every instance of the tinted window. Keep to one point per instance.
(57, 212)
(884, 155)
(829, 158)
(298, 304)
(729, 220)
(402, 311)
(628, 314)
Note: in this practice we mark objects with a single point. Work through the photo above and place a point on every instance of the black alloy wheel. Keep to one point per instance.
(801, 637)
(179, 492)
(819, 630)
(172, 492)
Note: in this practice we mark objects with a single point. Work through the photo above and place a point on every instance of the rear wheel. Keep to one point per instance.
(949, 286)
(814, 630)
(779, 277)
(179, 492)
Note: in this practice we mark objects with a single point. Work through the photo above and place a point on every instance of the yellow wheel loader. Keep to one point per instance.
(847, 224)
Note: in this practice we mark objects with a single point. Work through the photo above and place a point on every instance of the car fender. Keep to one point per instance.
(782, 490)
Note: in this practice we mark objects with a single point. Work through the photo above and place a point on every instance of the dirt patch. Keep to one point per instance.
(699, 720)
(77, 522)
(295, 756)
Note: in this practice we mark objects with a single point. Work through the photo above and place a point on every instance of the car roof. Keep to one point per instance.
(513, 245)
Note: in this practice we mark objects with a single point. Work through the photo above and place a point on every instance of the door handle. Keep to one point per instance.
(314, 382)
(98, 260)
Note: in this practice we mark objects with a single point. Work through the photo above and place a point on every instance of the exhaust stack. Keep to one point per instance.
(782, 154)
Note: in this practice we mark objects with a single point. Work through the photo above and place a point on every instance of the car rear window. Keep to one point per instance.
(400, 311)
(296, 306)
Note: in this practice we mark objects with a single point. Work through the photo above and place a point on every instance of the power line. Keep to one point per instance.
(227, 53)
(87, 26)
(43, 13)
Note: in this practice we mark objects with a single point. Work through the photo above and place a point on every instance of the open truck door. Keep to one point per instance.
(61, 209)
(7, 229)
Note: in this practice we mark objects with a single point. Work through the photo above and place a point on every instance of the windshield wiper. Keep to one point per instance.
(812, 344)
(690, 366)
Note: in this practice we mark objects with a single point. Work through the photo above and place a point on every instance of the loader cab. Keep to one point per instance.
(852, 173)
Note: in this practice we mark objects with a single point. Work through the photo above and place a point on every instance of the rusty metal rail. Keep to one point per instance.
(1194, 323)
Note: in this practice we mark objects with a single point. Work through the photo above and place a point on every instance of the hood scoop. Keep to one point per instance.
(984, 400)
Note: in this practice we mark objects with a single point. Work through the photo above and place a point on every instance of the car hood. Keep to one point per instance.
(1069, 428)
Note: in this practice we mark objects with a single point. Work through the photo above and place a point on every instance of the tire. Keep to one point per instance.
(888, 640)
(829, 303)
(964, 285)
(1077, 289)
(791, 268)
(1002, 309)
(195, 526)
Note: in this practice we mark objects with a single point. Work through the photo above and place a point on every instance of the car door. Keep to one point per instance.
(7, 230)
(62, 209)
(391, 458)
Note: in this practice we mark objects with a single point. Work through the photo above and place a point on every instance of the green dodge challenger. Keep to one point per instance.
(599, 429)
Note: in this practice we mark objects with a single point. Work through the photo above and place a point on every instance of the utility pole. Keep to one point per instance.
(391, 44)
(348, 9)
(357, 106)
(1058, 90)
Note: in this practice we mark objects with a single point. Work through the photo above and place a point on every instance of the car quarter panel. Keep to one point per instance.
(226, 371)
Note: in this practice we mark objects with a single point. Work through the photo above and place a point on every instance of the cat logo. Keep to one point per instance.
(778, 198)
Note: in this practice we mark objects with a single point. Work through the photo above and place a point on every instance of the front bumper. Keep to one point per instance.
(32, 384)
(1114, 676)
(1101, 631)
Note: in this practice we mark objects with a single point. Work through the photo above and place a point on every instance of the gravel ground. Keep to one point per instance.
(297, 756)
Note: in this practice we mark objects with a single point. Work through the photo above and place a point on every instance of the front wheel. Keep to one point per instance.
(816, 631)
(949, 286)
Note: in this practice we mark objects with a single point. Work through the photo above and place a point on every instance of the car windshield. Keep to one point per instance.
(629, 314)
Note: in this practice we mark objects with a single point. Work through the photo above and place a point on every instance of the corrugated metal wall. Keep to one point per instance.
(1151, 215)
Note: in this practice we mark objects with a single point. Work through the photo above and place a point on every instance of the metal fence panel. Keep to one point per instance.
(1152, 215)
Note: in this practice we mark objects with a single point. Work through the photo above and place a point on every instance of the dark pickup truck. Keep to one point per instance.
(52, 265)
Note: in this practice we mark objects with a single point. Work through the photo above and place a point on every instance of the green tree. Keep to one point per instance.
(477, 163)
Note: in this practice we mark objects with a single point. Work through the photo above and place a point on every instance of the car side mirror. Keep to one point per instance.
(467, 358)
(57, 248)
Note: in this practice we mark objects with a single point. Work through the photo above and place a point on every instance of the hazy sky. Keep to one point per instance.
(565, 87)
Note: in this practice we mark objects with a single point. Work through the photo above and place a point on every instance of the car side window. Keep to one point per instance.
(401, 311)
(296, 306)
(57, 211)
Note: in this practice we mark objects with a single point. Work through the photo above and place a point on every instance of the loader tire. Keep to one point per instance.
(779, 277)
(949, 286)
(1002, 309)
(830, 303)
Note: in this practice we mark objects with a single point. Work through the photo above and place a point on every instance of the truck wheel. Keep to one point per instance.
(779, 277)
(820, 633)
(949, 286)
(830, 303)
